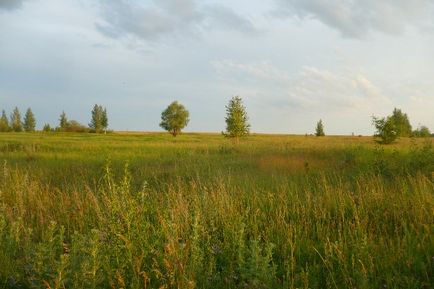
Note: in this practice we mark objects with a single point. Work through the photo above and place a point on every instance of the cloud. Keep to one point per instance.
(11, 4)
(165, 17)
(355, 19)
(310, 88)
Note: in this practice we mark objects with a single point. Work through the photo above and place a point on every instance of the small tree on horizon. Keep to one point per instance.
(236, 119)
(402, 124)
(319, 130)
(422, 131)
(16, 123)
(4, 122)
(99, 121)
(174, 118)
(29, 121)
(104, 120)
(46, 128)
(385, 129)
(63, 122)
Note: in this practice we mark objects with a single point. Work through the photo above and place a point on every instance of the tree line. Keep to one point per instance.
(176, 117)
(98, 123)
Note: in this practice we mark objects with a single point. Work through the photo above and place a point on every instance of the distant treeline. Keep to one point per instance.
(176, 117)
(15, 123)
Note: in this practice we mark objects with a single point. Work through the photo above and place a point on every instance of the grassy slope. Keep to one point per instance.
(197, 211)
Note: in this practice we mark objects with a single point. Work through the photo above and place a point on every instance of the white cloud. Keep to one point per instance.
(357, 18)
(311, 88)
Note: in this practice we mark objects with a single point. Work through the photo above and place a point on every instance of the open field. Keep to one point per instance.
(196, 211)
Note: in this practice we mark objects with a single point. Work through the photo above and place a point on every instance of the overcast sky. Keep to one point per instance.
(292, 61)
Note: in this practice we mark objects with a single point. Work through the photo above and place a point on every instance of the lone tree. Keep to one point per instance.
(29, 121)
(16, 124)
(401, 122)
(174, 118)
(385, 129)
(319, 130)
(99, 121)
(236, 119)
(63, 122)
(4, 122)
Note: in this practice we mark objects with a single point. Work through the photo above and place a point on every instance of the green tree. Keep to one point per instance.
(174, 118)
(16, 123)
(401, 122)
(29, 121)
(63, 122)
(319, 130)
(47, 128)
(236, 119)
(422, 131)
(104, 120)
(4, 122)
(99, 121)
(385, 129)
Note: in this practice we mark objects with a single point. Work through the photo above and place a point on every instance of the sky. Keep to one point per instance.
(293, 62)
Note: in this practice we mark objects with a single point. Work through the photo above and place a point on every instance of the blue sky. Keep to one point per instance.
(293, 62)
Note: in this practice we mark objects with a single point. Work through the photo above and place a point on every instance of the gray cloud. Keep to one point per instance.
(165, 17)
(11, 4)
(357, 18)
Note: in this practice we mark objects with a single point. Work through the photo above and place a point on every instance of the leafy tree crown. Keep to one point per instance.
(174, 118)
(16, 123)
(236, 119)
(319, 130)
(29, 121)
(401, 122)
(99, 121)
(385, 129)
(4, 122)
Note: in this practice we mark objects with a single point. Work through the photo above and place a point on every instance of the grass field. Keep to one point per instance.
(196, 211)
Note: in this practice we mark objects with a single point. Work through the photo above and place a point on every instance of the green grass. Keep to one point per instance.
(196, 211)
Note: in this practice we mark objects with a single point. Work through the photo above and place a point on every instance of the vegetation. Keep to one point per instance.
(236, 119)
(422, 131)
(99, 121)
(16, 123)
(29, 123)
(319, 130)
(151, 211)
(4, 122)
(174, 118)
(46, 128)
(386, 130)
(63, 122)
(401, 123)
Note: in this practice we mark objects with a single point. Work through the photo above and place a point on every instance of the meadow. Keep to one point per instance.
(127, 210)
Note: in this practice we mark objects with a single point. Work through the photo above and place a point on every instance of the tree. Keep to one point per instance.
(401, 122)
(174, 118)
(319, 130)
(46, 128)
(4, 122)
(63, 122)
(99, 121)
(236, 119)
(16, 124)
(104, 120)
(422, 131)
(386, 129)
(29, 121)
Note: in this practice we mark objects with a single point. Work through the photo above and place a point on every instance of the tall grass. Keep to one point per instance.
(275, 213)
